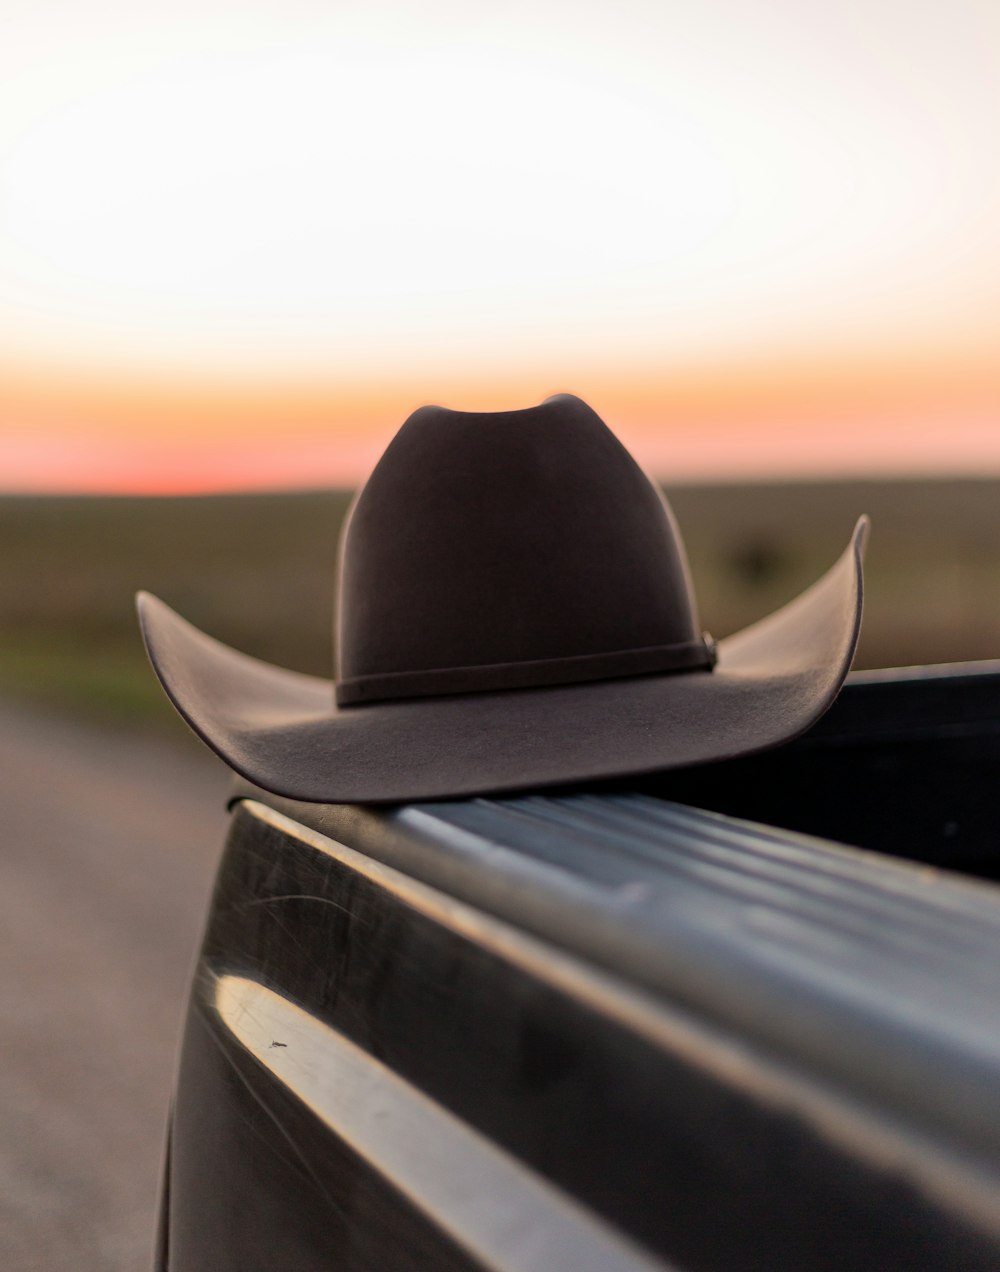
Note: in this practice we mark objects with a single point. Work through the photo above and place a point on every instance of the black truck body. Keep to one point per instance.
(736, 1017)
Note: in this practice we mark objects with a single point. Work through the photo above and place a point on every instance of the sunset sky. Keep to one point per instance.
(240, 239)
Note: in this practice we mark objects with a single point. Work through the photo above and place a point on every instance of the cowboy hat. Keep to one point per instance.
(514, 610)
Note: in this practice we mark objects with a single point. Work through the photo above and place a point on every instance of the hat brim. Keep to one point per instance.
(283, 731)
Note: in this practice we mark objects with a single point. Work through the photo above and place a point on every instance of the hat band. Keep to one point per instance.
(692, 655)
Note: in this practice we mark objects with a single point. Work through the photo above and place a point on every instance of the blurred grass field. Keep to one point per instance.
(257, 571)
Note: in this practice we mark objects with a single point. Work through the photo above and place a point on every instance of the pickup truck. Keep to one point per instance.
(740, 1016)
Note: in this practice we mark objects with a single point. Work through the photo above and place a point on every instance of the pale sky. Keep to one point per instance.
(348, 194)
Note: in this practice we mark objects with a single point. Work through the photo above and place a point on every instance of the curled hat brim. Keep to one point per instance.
(283, 731)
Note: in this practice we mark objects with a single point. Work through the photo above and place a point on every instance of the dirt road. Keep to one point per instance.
(108, 845)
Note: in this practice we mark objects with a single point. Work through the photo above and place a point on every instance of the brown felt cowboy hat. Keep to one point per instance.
(515, 610)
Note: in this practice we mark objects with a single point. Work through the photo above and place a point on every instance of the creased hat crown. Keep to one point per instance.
(506, 540)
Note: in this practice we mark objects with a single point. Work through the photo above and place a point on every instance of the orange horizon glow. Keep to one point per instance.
(803, 419)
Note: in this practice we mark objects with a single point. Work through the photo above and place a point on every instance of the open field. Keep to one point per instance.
(257, 571)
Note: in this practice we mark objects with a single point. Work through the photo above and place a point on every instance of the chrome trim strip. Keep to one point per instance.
(489, 1203)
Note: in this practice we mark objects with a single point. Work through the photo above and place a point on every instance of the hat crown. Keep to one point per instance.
(506, 538)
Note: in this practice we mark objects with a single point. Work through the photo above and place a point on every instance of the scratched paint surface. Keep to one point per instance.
(109, 846)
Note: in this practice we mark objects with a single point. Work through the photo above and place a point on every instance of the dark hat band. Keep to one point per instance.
(693, 655)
